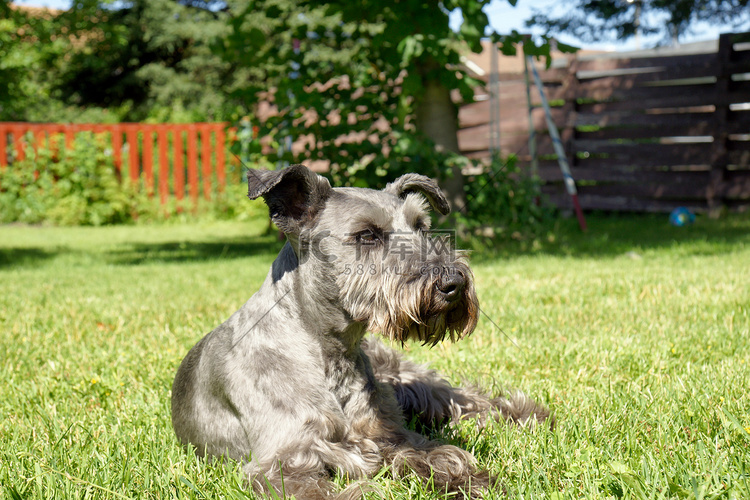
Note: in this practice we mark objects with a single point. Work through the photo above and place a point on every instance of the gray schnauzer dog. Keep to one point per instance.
(292, 388)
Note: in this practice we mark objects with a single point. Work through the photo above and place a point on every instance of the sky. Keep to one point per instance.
(504, 18)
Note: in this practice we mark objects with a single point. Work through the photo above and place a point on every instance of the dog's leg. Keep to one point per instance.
(423, 394)
(448, 468)
(304, 468)
(287, 482)
(279, 483)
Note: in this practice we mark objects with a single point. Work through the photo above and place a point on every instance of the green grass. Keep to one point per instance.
(635, 334)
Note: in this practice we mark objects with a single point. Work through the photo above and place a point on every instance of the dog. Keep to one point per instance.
(293, 388)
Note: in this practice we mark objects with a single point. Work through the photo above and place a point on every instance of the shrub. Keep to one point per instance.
(503, 203)
(81, 186)
(65, 186)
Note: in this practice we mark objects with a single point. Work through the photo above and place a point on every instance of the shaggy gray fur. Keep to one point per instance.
(290, 386)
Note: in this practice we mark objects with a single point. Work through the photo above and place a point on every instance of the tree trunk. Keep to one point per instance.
(437, 118)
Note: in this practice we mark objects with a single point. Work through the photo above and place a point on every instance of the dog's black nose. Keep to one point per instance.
(451, 286)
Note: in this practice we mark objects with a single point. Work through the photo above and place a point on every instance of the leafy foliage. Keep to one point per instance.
(28, 50)
(503, 203)
(80, 186)
(314, 67)
(104, 61)
(351, 78)
(598, 20)
(150, 58)
(76, 186)
(370, 88)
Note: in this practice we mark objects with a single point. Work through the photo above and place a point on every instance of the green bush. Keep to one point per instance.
(81, 186)
(76, 186)
(503, 203)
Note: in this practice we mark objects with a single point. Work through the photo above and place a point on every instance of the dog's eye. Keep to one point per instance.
(367, 236)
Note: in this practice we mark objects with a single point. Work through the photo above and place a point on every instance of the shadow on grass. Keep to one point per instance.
(615, 235)
(141, 253)
(25, 256)
(608, 236)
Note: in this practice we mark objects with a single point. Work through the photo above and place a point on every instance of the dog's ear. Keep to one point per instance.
(415, 183)
(294, 195)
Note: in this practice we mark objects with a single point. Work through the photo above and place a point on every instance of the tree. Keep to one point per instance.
(609, 20)
(148, 59)
(28, 51)
(370, 84)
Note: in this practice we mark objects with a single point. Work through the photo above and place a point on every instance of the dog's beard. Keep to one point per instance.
(411, 308)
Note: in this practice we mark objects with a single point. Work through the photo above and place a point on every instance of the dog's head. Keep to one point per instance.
(373, 252)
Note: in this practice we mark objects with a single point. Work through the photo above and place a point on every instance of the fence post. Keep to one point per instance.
(18, 133)
(179, 163)
(534, 165)
(117, 149)
(3, 147)
(206, 159)
(161, 133)
(148, 158)
(192, 154)
(719, 155)
(132, 138)
(55, 132)
(69, 136)
(40, 135)
(220, 155)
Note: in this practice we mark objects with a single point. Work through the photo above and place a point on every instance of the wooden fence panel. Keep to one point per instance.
(625, 65)
(641, 133)
(143, 148)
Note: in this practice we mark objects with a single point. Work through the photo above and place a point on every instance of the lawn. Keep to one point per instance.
(636, 334)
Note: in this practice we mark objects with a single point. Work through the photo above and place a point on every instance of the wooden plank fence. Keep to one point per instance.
(646, 133)
(169, 158)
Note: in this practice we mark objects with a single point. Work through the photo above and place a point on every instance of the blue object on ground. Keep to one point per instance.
(681, 216)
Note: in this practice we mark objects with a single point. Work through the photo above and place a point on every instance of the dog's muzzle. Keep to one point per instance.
(450, 287)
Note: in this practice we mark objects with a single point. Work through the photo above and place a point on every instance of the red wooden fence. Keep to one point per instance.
(133, 152)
